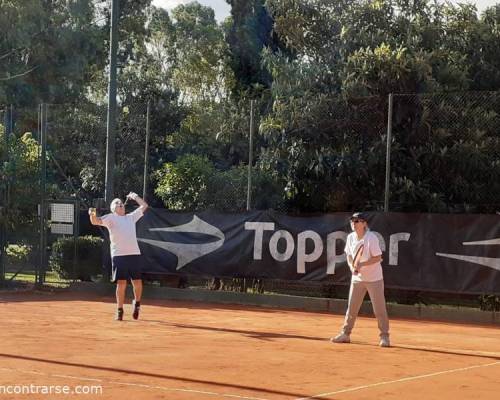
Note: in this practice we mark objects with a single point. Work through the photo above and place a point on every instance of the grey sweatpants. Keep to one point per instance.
(357, 293)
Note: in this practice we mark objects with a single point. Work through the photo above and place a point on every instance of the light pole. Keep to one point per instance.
(111, 121)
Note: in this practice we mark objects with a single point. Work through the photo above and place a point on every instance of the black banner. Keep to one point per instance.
(438, 252)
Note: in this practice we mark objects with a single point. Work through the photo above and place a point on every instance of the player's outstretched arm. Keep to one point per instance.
(142, 203)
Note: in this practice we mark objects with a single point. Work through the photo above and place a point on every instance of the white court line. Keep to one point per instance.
(76, 377)
(458, 352)
(139, 385)
(410, 378)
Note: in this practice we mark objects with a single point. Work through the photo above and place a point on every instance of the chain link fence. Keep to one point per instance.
(73, 173)
(20, 194)
(445, 153)
(355, 147)
(444, 157)
(3, 128)
(76, 150)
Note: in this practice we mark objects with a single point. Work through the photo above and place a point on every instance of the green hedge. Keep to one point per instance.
(88, 262)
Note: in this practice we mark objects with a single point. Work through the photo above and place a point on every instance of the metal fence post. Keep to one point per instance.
(388, 153)
(76, 235)
(250, 157)
(5, 194)
(146, 152)
(9, 130)
(43, 178)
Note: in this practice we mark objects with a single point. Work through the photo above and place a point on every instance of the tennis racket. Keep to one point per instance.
(357, 257)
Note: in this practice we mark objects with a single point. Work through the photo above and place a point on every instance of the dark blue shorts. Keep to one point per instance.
(126, 267)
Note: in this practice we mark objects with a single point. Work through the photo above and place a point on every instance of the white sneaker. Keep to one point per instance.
(341, 338)
(385, 342)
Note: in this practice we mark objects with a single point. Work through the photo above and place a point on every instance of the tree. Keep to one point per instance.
(19, 178)
(201, 72)
(192, 183)
(319, 130)
(49, 50)
(249, 31)
(185, 184)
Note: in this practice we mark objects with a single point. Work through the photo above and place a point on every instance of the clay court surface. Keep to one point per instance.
(181, 350)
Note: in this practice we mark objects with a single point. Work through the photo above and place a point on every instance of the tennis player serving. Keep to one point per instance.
(126, 256)
(364, 257)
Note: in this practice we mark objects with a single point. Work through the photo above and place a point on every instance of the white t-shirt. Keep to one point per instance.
(367, 273)
(122, 233)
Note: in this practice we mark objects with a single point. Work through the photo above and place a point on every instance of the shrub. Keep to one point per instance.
(185, 184)
(489, 302)
(17, 254)
(193, 183)
(88, 261)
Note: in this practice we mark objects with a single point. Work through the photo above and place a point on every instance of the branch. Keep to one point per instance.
(18, 75)
(13, 51)
(7, 54)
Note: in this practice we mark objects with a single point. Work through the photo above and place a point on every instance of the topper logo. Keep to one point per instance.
(489, 262)
(187, 252)
(333, 258)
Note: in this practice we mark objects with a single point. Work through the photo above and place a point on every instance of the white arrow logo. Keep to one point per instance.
(186, 252)
(486, 261)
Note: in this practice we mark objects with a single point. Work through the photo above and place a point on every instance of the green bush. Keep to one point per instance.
(185, 184)
(193, 182)
(17, 254)
(88, 262)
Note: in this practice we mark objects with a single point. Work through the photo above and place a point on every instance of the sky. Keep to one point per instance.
(482, 4)
(222, 9)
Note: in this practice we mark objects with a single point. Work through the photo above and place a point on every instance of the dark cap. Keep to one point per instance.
(359, 215)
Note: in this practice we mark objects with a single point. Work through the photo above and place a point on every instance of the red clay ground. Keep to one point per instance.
(180, 351)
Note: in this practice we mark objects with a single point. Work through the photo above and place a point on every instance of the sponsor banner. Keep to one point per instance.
(439, 252)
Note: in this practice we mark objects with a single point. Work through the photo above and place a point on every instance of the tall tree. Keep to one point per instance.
(250, 30)
(49, 50)
(201, 72)
(320, 130)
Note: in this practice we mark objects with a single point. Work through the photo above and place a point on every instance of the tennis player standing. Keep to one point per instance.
(126, 256)
(366, 276)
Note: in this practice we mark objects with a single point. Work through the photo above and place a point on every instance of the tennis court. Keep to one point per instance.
(189, 350)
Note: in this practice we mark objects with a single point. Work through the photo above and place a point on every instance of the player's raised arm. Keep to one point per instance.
(94, 219)
(142, 203)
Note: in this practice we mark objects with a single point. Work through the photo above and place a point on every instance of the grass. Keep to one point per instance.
(51, 278)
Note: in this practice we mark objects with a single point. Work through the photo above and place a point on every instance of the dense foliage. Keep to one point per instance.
(319, 71)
